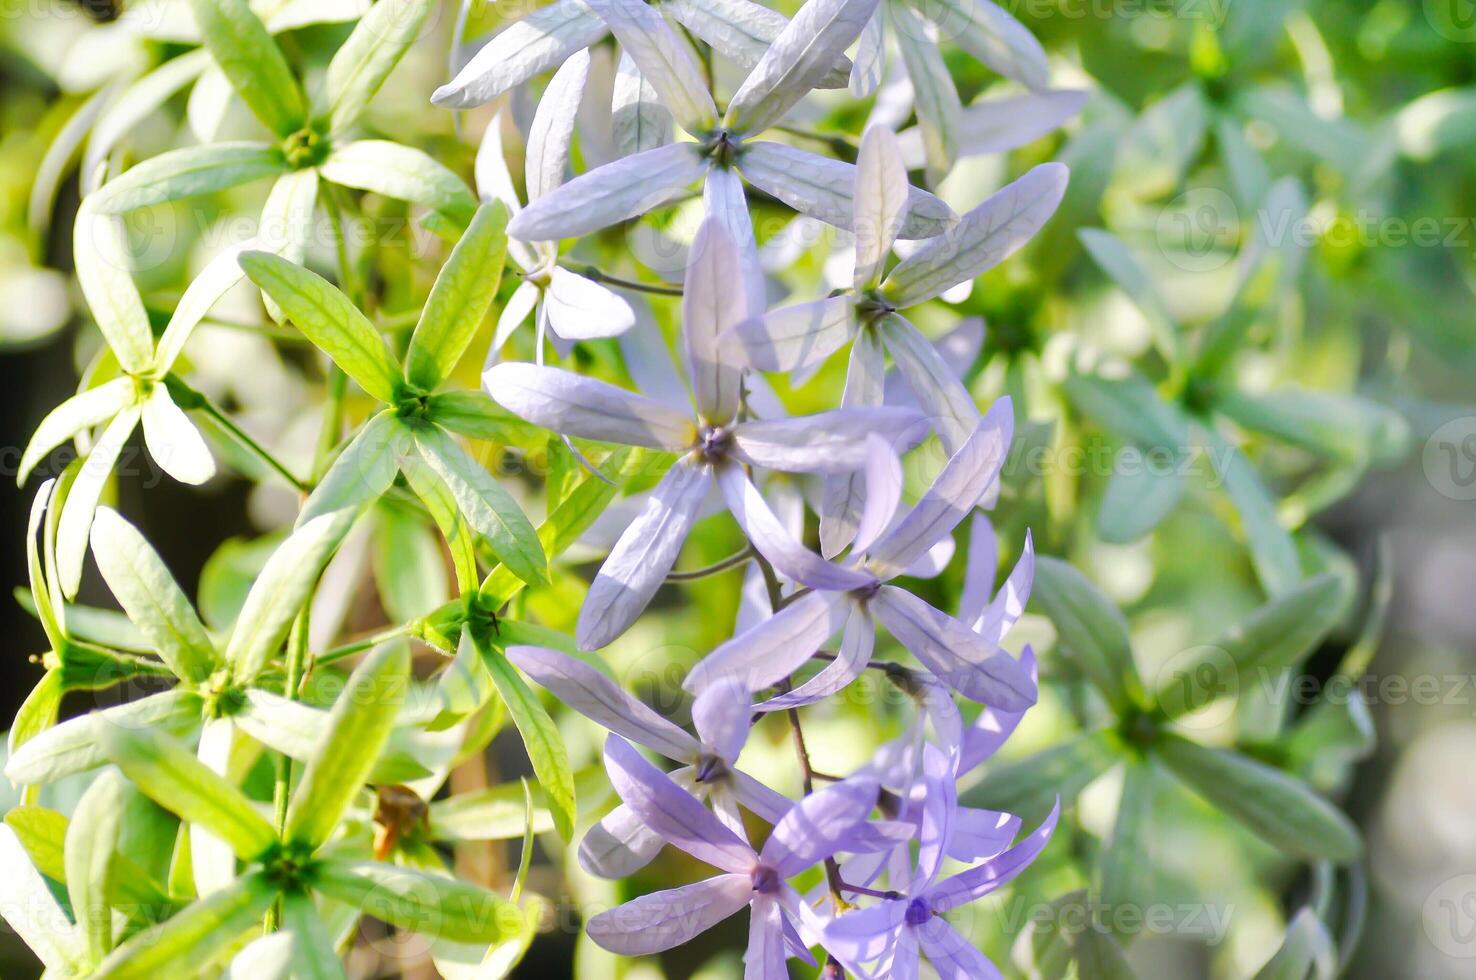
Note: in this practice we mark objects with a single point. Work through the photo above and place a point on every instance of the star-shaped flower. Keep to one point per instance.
(716, 442)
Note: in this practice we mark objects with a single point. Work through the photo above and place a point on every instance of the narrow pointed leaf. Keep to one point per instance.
(541, 739)
(1089, 628)
(459, 299)
(420, 902)
(188, 172)
(370, 54)
(194, 935)
(245, 51)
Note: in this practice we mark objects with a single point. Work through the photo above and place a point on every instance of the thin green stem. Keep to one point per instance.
(359, 646)
(297, 643)
(732, 561)
(597, 275)
(188, 397)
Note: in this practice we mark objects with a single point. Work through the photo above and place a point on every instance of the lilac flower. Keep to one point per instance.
(969, 663)
(782, 924)
(800, 336)
(800, 58)
(897, 930)
(565, 305)
(737, 29)
(621, 844)
(713, 442)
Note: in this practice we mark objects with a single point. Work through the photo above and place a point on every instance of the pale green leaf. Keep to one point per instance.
(402, 173)
(420, 902)
(1306, 951)
(459, 300)
(372, 51)
(105, 273)
(313, 954)
(194, 936)
(169, 775)
(90, 841)
(28, 906)
(485, 505)
(541, 739)
(409, 565)
(259, 73)
(359, 727)
(76, 745)
(1029, 786)
(1138, 496)
(1273, 805)
(284, 586)
(150, 596)
(362, 472)
(328, 319)
(188, 172)
(1125, 863)
(1090, 629)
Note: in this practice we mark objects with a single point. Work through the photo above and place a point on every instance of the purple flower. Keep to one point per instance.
(621, 844)
(908, 923)
(713, 442)
(825, 823)
(966, 661)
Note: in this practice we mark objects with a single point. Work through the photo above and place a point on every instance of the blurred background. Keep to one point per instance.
(1196, 109)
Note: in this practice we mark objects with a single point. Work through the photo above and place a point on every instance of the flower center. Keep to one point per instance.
(714, 443)
(918, 912)
(305, 148)
(866, 592)
(765, 880)
(873, 306)
(710, 768)
(722, 148)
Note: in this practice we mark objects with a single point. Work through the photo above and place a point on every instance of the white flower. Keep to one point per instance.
(715, 442)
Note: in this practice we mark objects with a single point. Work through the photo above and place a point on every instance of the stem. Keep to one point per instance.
(297, 642)
(838, 145)
(873, 892)
(196, 401)
(358, 646)
(732, 561)
(597, 275)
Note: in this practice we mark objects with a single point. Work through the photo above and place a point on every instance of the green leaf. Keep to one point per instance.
(313, 955)
(1131, 408)
(1153, 155)
(76, 745)
(297, 730)
(409, 565)
(27, 904)
(360, 726)
(188, 172)
(169, 775)
(104, 271)
(1091, 629)
(37, 714)
(1436, 122)
(372, 51)
(485, 505)
(284, 586)
(1028, 787)
(90, 841)
(43, 834)
(419, 902)
(1339, 427)
(150, 596)
(446, 512)
(1125, 863)
(1276, 807)
(1273, 550)
(1100, 957)
(1045, 946)
(194, 936)
(1138, 497)
(575, 514)
(1270, 639)
(268, 957)
(541, 739)
(459, 300)
(464, 686)
(475, 415)
(1121, 266)
(72, 417)
(1306, 950)
(401, 173)
(328, 319)
(259, 73)
(363, 471)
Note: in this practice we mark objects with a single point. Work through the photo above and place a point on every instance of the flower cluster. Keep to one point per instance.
(283, 800)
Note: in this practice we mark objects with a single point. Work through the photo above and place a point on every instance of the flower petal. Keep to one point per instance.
(883, 491)
(789, 557)
(959, 485)
(714, 298)
(804, 53)
(944, 399)
(935, 819)
(610, 194)
(574, 405)
(174, 442)
(644, 554)
(528, 47)
(981, 239)
(766, 953)
(857, 643)
(975, 883)
(819, 825)
(994, 726)
(956, 655)
(664, 61)
(825, 189)
(865, 934)
(552, 130)
(828, 442)
(619, 845)
(582, 309)
(721, 715)
(881, 197)
(979, 573)
(981, 834)
(1009, 603)
(597, 697)
(776, 647)
(953, 956)
(842, 494)
(796, 336)
(672, 812)
(657, 922)
(997, 125)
